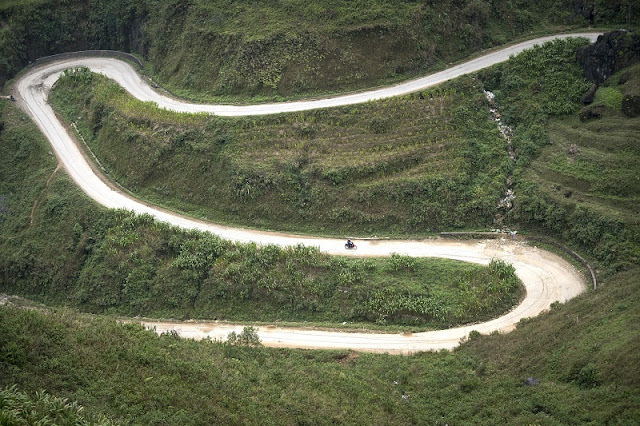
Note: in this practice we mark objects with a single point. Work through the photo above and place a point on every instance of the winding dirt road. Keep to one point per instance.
(546, 277)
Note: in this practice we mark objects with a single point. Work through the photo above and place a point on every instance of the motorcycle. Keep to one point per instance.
(350, 247)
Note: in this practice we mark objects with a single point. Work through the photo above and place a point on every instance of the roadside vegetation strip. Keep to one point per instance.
(546, 279)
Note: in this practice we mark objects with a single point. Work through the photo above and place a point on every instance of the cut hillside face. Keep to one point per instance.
(232, 50)
(612, 52)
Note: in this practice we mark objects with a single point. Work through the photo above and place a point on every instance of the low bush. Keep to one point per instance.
(609, 97)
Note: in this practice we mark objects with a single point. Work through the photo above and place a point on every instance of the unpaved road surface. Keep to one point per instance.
(547, 277)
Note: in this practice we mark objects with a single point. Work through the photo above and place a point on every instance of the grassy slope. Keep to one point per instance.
(584, 354)
(414, 165)
(578, 179)
(283, 49)
(272, 49)
(604, 165)
(75, 253)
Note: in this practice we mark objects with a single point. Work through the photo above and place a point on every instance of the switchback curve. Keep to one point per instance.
(547, 277)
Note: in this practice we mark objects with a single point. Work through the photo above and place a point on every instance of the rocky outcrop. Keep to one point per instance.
(587, 98)
(609, 54)
(631, 105)
(631, 98)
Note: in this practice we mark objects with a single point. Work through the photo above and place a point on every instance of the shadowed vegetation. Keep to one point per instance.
(239, 50)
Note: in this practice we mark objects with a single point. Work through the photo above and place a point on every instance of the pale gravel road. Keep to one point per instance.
(547, 277)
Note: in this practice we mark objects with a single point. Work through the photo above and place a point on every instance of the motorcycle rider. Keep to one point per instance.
(349, 244)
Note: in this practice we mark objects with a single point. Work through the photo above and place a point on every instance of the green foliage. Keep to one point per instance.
(583, 186)
(583, 353)
(540, 82)
(399, 262)
(585, 376)
(584, 343)
(437, 164)
(102, 261)
(275, 49)
(575, 180)
(247, 338)
(18, 408)
(609, 97)
(243, 344)
(33, 29)
(283, 49)
(135, 266)
(389, 303)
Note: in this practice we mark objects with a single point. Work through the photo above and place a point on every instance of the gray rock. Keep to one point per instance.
(587, 98)
(631, 105)
(610, 53)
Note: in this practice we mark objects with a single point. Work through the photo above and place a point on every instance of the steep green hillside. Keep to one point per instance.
(582, 359)
(436, 159)
(425, 162)
(234, 50)
(589, 342)
(577, 172)
(295, 47)
(59, 248)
